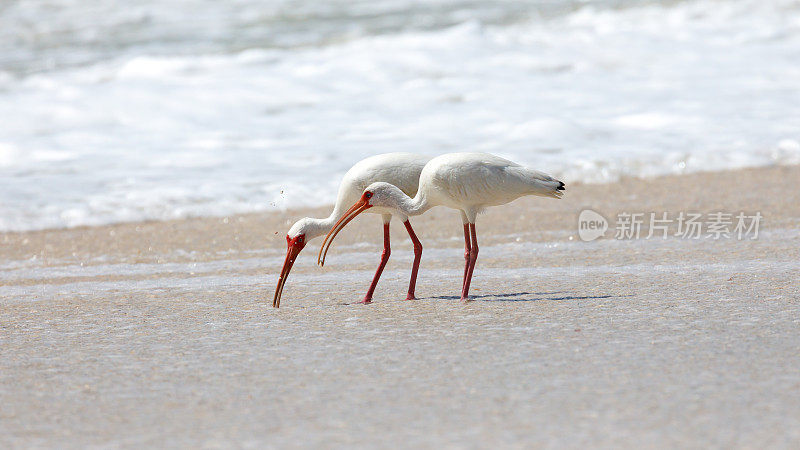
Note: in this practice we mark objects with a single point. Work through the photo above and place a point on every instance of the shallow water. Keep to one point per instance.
(542, 261)
(114, 112)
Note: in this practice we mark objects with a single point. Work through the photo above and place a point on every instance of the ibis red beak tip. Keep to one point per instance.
(293, 247)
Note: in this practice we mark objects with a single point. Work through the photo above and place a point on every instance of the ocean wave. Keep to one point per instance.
(590, 94)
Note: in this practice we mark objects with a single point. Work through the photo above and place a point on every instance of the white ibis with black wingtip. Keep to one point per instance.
(399, 169)
(468, 182)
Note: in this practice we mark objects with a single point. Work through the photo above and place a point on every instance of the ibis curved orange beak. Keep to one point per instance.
(293, 249)
(359, 207)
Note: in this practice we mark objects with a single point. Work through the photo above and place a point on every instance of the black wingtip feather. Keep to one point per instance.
(561, 186)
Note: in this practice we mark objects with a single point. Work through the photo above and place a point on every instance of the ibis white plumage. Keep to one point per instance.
(468, 182)
(401, 170)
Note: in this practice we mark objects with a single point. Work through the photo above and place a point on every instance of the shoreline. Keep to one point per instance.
(240, 232)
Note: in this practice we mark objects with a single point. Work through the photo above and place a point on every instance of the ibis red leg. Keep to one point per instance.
(467, 247)
(387, 251)
(417, 257)
(473, 257)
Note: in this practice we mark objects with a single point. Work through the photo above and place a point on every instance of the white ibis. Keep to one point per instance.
(468, 182)
(401, 170)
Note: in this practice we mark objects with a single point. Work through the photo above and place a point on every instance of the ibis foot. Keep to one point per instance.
(410, 297)
(366, 301)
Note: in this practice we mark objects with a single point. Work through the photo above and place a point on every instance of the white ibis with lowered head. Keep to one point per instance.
(401, 170)
(468, 182)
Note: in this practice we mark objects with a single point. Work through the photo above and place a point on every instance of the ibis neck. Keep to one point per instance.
(411, 206)
(321, 227)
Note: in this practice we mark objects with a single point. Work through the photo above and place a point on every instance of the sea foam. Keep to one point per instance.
(190, 126)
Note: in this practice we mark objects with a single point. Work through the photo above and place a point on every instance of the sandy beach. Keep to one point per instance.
(163, 334)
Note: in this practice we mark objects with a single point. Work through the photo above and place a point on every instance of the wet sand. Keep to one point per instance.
(163, 334)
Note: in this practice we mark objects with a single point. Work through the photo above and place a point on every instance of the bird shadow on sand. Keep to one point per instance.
(513, 297)
(528, 297)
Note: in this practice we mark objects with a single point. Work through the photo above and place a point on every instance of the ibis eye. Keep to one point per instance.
(368, 195)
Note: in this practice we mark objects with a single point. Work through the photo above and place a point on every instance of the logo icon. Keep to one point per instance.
(591, 225)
